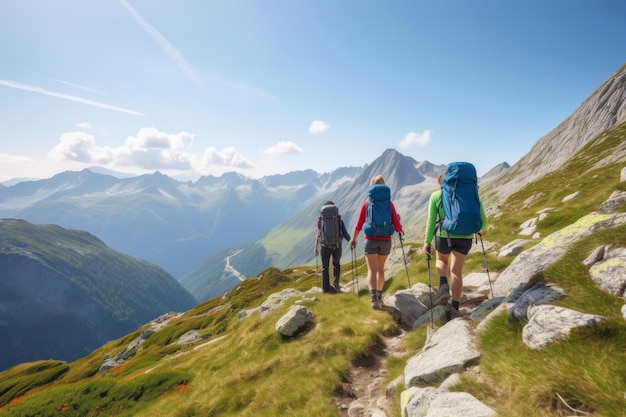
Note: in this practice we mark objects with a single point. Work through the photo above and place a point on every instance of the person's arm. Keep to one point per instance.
(395, 220)
(358, 226)
(316, 249)
(483, 218)
(431, 223)
(344, 231)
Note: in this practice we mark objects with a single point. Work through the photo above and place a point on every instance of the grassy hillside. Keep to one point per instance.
(64, 292)
(245, 368)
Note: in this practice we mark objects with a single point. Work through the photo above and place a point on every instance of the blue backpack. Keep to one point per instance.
(378, 211)
(459, 196)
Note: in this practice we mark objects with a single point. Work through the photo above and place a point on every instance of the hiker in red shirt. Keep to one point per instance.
(379, 220)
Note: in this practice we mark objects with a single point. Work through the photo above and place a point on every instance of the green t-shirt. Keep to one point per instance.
(435, 212)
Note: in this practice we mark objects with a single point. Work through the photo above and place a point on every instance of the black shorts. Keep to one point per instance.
(460, 245)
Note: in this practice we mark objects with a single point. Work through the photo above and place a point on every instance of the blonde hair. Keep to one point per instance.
(378, 179)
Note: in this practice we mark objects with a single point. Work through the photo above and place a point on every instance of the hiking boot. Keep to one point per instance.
(376, 305)
(443, 295)
(452, 313)
(381, 304)
(337, 287)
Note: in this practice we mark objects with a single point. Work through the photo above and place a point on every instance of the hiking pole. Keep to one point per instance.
(317, 268)
(486, 264)
(405, 265)
(353, 259)
(430, 292)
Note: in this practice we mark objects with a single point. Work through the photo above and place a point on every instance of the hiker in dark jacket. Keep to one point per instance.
(451, 249)
(328, 250)
(377, 248)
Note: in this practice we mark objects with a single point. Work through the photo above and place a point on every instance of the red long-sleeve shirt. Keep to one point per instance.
(395, 220)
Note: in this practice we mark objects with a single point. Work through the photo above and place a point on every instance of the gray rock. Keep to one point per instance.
(408, 305)
(548, 324)
(550, 250)
(296, 318)
(449, 350)
(596, 255)
(513, 248)
(458, 404)
(610, 272)
(538, 294)
(569, 197)
(616, 200)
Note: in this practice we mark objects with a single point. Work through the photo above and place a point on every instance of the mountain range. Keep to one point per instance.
(215, 231)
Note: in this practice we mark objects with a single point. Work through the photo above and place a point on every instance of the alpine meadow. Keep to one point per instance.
(246, 330)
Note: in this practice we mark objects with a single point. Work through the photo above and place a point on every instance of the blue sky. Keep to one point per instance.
(266, 87)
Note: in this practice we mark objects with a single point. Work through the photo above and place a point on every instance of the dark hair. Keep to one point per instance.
(328, 202)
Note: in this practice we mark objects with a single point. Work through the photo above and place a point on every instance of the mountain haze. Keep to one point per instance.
(154, 217)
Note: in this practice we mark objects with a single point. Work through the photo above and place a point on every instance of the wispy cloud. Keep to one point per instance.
(317, 126)
(5, 158)
(39, 90)
(163, 43)
(80, 87)
(413, 138)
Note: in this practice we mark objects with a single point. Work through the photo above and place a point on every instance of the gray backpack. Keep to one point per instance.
(330, 226)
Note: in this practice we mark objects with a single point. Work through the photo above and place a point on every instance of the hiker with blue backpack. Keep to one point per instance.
(455, 215)
(331, 231)
(378, 220)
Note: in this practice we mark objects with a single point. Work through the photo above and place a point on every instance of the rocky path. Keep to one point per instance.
(364, 391)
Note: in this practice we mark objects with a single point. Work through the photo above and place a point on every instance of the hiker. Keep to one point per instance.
(331, 231)
(379, 220)
(452, 249)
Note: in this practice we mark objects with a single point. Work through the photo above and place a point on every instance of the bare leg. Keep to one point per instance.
(372, 270)
(456, 275)
(380, 272)
(442, 264)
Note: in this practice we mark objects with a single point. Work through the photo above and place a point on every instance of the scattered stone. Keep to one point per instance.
(295, 319)
(548, 324)
(569, 197)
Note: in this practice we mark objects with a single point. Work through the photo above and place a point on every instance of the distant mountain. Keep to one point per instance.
(495, 171)
(64, 293)
(157, 218)
(291, 242)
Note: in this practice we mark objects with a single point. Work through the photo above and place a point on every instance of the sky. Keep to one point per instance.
(202, 87)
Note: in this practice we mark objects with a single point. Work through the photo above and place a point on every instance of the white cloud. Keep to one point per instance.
(228, 157)
(80, 147)
(84, 125)
(39, 90)
(283, 148)
(317, 126)
(413, 138)
(150, 149)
